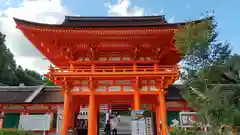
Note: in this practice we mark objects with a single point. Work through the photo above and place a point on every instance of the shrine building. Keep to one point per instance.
(34, 100)
(109, 60)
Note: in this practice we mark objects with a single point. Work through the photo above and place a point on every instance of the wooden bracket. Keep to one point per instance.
(135, 52)
(92, 51)
(91, 84)
(66, 85)
(137, 83)
(162, 82)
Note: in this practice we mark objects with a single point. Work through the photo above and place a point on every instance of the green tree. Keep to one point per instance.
(14, 132)
(208, 70)
(180, 131)
(28, 77)
(11, 74)
(211, 91)
(7, 64)
(197, 43)
(48, 82)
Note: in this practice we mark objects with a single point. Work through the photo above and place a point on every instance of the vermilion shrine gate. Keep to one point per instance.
(109, 60)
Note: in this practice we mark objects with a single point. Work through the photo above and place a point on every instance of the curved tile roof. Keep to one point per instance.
(51, 94)
(109, 22)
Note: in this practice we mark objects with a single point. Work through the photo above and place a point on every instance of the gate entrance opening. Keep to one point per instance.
(122, 112)
(118, 113)
(106, 105)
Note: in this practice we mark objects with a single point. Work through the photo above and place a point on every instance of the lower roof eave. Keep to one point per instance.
(175, 99)
(115, 74)
(18, 103)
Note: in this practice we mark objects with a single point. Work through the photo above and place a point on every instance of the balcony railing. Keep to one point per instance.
(101, 69)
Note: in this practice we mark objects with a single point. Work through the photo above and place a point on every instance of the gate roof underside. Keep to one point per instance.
(93, 37)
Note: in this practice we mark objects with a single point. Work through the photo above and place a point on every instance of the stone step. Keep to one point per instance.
(101, 132)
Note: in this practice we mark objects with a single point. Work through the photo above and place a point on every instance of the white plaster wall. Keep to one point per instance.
(107, 84)
(59, 119)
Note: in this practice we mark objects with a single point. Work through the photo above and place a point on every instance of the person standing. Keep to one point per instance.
(114, 122)
(107, 128)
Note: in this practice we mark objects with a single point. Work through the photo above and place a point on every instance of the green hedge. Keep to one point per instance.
(14, 132)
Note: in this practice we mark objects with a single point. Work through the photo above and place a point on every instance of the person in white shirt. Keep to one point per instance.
(114, 122)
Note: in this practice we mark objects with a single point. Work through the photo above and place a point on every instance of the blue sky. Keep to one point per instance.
(227, 15)
(227, 12)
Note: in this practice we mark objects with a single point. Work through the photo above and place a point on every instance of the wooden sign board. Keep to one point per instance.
(35, 122)
(187, 119)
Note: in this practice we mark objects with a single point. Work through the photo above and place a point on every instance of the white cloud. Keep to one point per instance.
(122, 8)
(35, 63)
(43, 11)
(7, 3)
(171, 19)
(51, 12)
(39, 11)
(1, 13)
(160, 13)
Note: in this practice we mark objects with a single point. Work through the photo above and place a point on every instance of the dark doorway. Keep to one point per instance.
(81, 125)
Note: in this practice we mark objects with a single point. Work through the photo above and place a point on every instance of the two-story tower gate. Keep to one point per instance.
(108, 60)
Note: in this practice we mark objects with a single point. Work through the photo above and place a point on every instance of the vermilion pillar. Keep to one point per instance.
(157, 112)
(162, 108)
(136, 100)
(73, 111)
(92, 117)
(66, 113)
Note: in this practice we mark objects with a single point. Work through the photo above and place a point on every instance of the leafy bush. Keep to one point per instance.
(182, 131)
(14, 132)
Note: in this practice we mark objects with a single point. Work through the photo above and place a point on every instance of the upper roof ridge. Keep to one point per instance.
(95, 18)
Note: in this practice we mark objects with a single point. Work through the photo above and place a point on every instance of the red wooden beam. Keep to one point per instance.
(179, 108)
(120, 62)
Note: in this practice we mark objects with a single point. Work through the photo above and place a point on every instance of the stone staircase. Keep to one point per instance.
(124, 127)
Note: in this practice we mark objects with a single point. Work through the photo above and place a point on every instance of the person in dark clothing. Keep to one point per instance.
(107, 128)
(114, 131)
(114, 123)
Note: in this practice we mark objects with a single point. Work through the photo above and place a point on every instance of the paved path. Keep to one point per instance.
(124, 127)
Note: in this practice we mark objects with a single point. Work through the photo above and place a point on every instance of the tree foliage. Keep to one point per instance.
(14, 132)
(181, 131)
(197, 42)
(48, 82)
(210, 75)
(13, 75)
